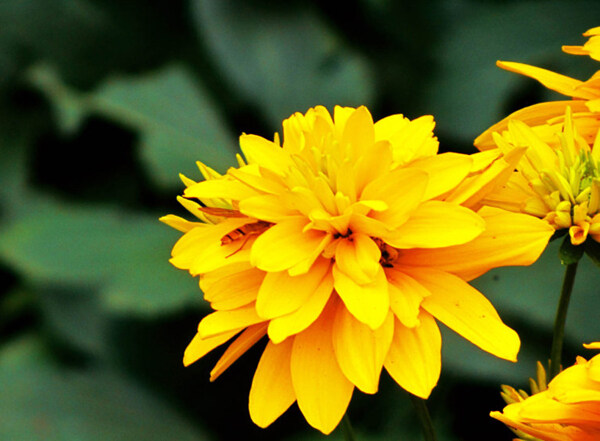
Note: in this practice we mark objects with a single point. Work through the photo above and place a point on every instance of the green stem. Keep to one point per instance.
(561, 318)
(349, 434)
(420, 406)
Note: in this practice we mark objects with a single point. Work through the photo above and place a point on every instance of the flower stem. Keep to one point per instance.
(420, 406)
(349, 434)
(561, 318)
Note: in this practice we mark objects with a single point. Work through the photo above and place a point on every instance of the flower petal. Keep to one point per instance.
(281, 294)
(560, 83)
(358, 257)
(220, 322)
(413, 183)
(199, 346)
(267, 154)
(414, 360)
(267, 207)
(369, 303)
(322, 390)
(437, 224)
(406, 295)
(240, 345)
(445, 171)
(466, 311)
(509, 239)
(231, 287)
(361, 351)
(272, 391)
(284, 245)
(281, 328)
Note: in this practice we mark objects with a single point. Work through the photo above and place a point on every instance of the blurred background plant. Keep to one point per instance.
(103, 103)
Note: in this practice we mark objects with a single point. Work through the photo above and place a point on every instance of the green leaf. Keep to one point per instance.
(282, 61)
(177, 122)
(569, 253)
(124, 255)
(469, 93)
(41, 401)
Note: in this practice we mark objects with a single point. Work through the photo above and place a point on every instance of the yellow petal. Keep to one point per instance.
(467, 312)
(445, 171)
(534, 115)
(284, 245)
(509, 239)
(361, 351)
(200, 250)
(437, 224)
(266, 207)
(220, 322)
(231, 287)
(267, 154)
(272, 392)
(413, 183)
(358, 135)
(358, 257)
(552, 80)
(179, 223)
(406, 295)
(281, 294)
(240, 345)
(322, 390)
(219, 188)
(281, 328)
(369, 303)
(199, 346)
(414, 359)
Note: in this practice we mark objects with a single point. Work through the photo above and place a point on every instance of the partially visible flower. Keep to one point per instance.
(568, 409)
(559, 183)
(547, 118)
(342, 246)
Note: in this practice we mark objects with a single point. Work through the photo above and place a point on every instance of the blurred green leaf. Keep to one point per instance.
(469, 93)
(125, 255)
(282, 60)
(177, 122)
(532, 293)
(40, 401)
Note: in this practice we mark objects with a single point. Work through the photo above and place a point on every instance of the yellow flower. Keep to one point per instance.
(546, 118)
(567, 410)
(343, 246)
(558, 182)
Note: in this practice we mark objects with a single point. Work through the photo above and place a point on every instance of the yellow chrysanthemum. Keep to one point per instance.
(559, 182)
(342, 246)
(567, 410)
(547, 118)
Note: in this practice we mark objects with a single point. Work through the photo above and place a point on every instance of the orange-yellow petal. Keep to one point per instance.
(281, 294)
(414, 360)
(220, 322)
(238, 347)
(282, 327)
(445, 172)
(272, 391)
(322, 390)
(284, 245)
(199, 346)
(467, 312)
(509, 239)
(358, 257)
(406, 295)
(369, 303)
(437, 224)
(361, 351)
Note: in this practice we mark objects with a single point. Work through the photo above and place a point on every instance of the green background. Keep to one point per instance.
(103, 103)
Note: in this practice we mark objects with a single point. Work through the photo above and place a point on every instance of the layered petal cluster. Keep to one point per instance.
(547, 118)
(559, 183)
(567, 410)
(341, 247)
